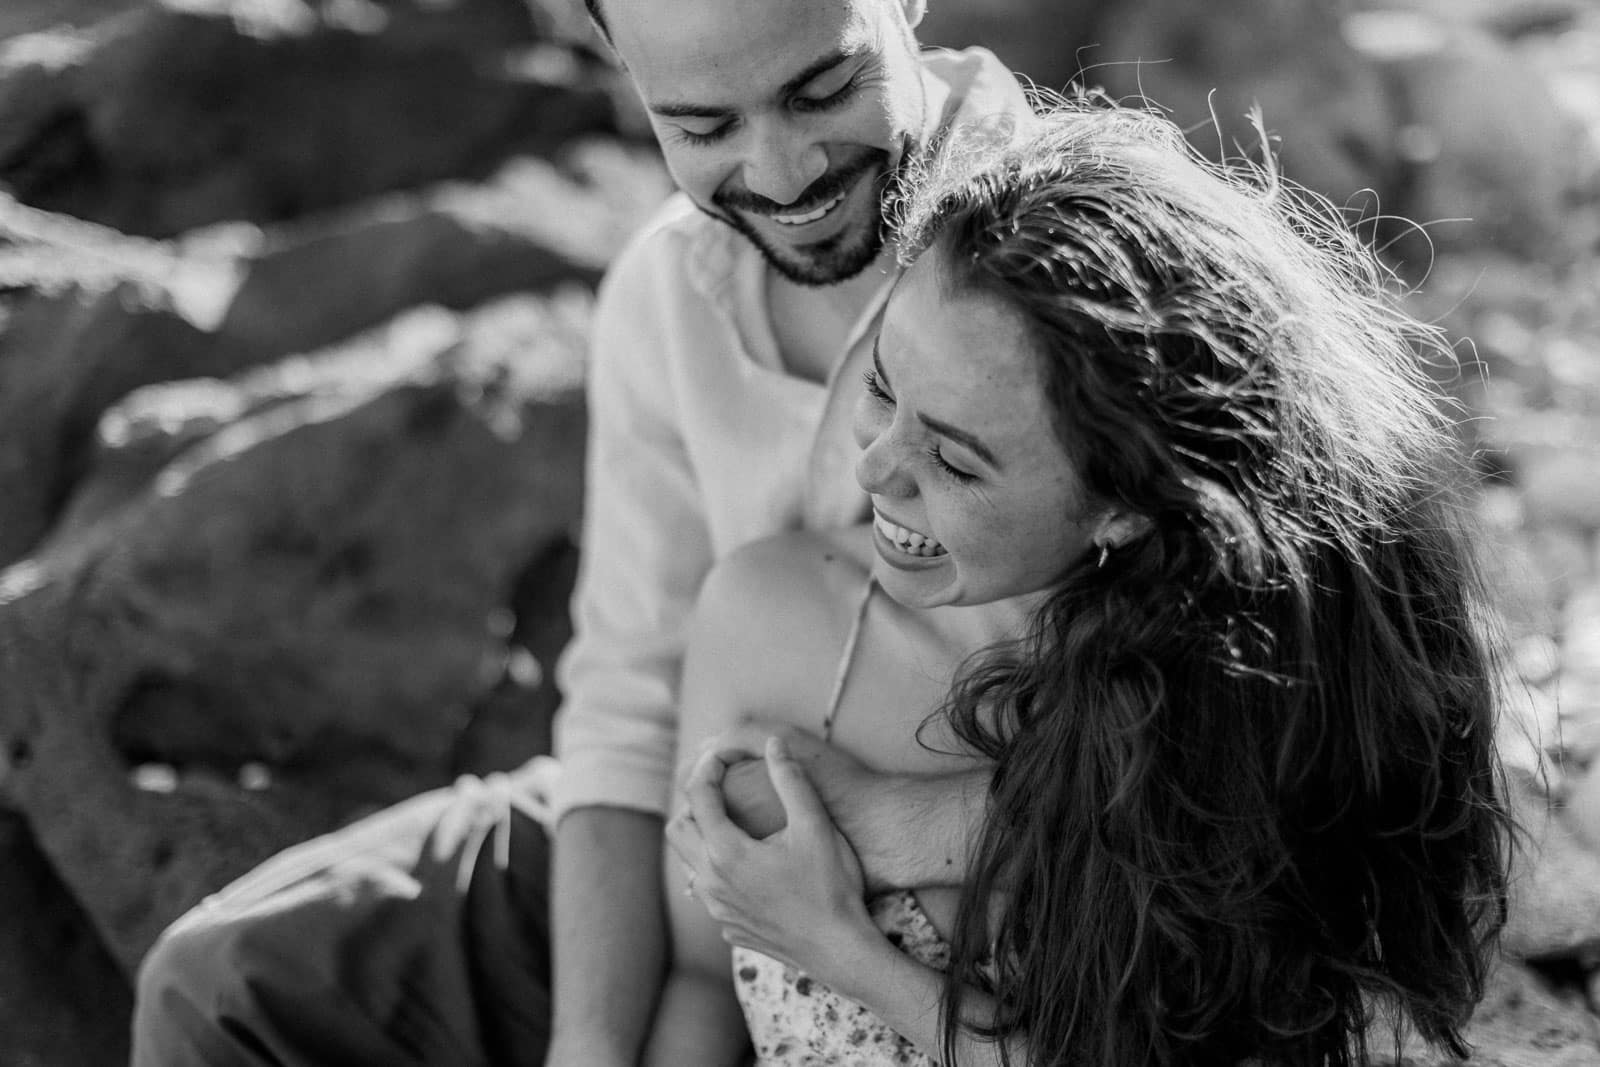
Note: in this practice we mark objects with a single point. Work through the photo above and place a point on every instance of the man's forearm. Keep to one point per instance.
(909, 830)
(609, 935)
(913, 831)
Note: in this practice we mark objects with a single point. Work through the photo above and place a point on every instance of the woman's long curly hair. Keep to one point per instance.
(1246, 800)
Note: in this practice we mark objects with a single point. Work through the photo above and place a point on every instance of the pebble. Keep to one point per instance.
(154, 777)
(1536, 658)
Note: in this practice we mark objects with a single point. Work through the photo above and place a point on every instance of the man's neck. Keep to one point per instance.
(812, 323)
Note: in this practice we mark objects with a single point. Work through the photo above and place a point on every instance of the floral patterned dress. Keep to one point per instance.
(797, 1022)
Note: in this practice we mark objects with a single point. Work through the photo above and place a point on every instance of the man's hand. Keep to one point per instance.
(910, 831)
(796, 895)
(747, 790)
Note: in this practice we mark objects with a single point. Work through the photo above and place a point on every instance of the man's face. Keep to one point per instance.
(786, 119)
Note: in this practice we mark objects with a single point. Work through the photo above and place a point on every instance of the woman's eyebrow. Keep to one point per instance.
(958, 434)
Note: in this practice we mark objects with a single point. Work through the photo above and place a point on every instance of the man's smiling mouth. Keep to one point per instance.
(809, 216)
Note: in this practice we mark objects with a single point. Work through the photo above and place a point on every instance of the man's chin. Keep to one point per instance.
(817, 263)
(827, 263)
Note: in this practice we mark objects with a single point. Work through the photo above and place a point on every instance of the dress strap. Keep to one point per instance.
(846, 658)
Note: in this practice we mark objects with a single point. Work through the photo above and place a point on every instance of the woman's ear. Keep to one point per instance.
(914, 10)
(1119, 527)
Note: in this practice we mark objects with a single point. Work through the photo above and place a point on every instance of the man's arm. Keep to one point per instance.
(646, 549)
(909, 830)
(609, 937)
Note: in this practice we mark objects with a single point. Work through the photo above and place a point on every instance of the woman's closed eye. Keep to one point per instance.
(875, 387)
(944, 465)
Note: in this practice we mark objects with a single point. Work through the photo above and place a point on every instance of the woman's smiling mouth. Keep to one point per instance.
(907, 540)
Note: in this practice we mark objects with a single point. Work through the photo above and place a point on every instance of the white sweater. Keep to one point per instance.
(699, 443)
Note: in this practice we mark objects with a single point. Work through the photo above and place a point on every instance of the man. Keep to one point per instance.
(720, 386)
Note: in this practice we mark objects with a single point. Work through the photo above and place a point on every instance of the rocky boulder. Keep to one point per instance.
(289, 589)
(94, 314)
(171, 115)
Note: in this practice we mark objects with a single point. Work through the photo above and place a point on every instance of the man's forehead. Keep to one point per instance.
(726, 53)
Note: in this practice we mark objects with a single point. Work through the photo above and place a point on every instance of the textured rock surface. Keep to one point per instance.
(1523, 1021)
(1414, 108)
(103, 313)
(297, 570)
(62, 999)
(277, 548)
(169, 117)
(1209, 63)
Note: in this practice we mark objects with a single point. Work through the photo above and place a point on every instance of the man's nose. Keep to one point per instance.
(783, 163)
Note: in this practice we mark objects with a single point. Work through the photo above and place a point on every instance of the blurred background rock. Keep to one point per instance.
(293, 296)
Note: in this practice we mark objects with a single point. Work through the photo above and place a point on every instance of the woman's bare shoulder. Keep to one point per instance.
(774, 614)
(802, 571)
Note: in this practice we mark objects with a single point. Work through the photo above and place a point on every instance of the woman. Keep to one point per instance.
(1164, 523)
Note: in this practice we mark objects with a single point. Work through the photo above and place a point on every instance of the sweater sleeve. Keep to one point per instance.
(646, 550)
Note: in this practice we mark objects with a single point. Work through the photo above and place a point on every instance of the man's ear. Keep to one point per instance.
(914, 10)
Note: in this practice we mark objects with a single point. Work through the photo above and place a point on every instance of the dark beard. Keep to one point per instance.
(834, 259)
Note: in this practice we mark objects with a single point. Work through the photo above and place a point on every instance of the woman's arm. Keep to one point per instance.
(796, 896)
(727, 667)
(907, 995)
(698, 1019)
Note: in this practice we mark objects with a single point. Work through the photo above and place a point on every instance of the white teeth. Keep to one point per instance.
(908, 541)
(810, 216)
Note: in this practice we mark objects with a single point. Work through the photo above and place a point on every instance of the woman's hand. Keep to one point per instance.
(795, 895)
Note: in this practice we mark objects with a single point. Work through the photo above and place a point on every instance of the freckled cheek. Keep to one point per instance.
(964, 529)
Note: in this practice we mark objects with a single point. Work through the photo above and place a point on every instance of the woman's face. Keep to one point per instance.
(974, 497)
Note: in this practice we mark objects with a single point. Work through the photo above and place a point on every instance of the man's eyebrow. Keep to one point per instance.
(672, 109)
(955, 433)
(688, 111)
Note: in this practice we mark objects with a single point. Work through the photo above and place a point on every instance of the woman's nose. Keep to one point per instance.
(880, 470)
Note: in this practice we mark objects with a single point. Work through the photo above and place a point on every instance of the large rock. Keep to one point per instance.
(294, 579)
(1418, 113)
(100, 314)
(1522, 1021)
(62, 998)
(175, 115)
(1555, 890)
(1324, 104)
(1208, 63)
(1488, 156)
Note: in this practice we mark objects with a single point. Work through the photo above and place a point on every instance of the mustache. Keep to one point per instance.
(819, 192)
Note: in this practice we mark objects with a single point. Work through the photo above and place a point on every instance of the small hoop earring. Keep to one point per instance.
(1105, 554)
